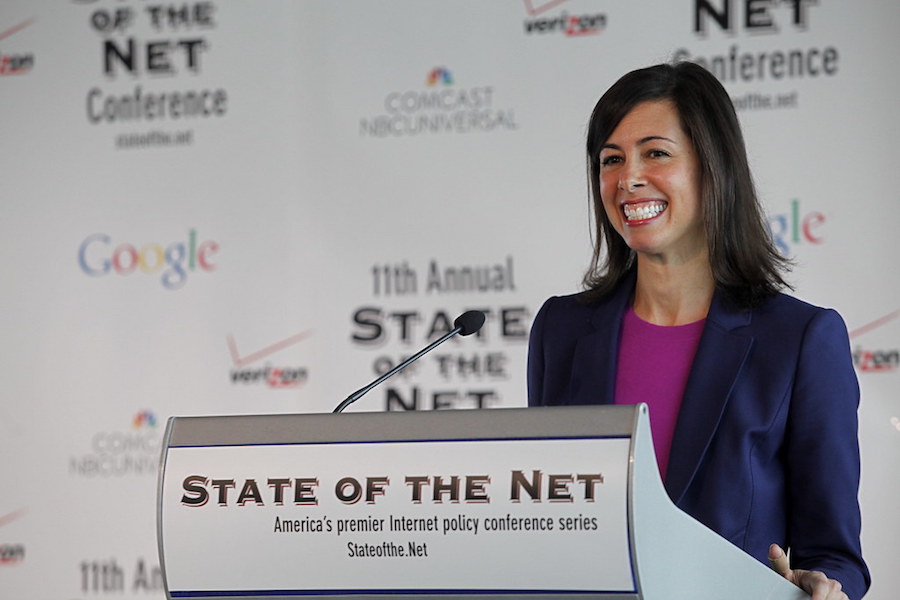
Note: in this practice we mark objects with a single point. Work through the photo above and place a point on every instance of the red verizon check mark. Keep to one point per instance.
(5, 519)
(240, 361)
(16, 29)
(874, 324)
(536, 10)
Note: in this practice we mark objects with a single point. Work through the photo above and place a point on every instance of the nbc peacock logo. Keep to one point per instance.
(143, 419)
(439, 75)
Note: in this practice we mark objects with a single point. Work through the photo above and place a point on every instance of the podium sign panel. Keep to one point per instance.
(539, 503)
(410, 516)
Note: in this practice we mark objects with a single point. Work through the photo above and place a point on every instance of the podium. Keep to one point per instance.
(542, 503)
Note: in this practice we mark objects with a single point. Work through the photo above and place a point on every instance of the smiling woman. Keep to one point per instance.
(752, 393)
(686, 120)
(649, 185)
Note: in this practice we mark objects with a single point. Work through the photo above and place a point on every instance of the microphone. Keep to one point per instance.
(465, 324)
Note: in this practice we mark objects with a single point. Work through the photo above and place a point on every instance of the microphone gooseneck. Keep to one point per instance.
(465, 324)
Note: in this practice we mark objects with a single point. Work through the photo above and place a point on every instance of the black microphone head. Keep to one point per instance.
(469, 322)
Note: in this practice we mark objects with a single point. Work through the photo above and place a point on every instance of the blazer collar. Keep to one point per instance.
(717, 365)
(720, 356)
(594, 363)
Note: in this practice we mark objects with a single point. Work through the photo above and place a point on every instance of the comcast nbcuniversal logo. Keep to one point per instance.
(131, 451)
(440, 106)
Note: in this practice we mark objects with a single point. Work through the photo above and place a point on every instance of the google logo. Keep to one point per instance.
(795, 228)
(97, 258)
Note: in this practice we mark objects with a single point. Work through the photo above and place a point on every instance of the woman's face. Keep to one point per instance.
(650, 184)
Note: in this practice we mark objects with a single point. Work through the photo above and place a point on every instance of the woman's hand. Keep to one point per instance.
(814, 583)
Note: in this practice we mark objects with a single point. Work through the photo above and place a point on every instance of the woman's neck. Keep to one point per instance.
(673, 294)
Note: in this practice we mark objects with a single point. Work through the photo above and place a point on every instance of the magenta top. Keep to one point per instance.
(654, 364)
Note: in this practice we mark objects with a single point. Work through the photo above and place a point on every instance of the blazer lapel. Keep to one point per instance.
(593, 378)
(716, 367)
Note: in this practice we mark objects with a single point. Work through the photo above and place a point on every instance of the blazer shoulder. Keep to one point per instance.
(790, 312)
(792, 323)
(567, 306)
(574, 313)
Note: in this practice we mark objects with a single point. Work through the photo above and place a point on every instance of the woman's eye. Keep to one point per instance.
(658, 153)
(609, 160)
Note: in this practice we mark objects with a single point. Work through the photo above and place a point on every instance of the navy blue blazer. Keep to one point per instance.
(765, 447)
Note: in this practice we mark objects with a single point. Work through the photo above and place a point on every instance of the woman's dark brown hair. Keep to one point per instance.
(745, 264)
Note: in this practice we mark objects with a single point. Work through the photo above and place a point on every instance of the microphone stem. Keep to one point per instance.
(359, 393)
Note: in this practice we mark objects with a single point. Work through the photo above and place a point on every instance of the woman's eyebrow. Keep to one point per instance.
(643, 140)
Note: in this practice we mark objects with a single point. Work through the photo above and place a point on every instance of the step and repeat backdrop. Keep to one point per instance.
(226, 207)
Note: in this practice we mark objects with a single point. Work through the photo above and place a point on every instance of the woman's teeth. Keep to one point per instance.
(640, 212)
